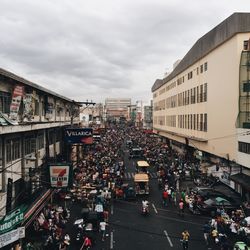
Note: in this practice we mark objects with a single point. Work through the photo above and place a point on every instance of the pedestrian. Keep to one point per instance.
(87, 243)
(206, 232)
(165, 197)
(103, 225)
(185, 239)
(174, 197)
(181, 207)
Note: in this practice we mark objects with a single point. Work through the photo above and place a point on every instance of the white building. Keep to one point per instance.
(205, 103)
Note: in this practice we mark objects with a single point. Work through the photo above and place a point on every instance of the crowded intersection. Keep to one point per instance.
(132, 190)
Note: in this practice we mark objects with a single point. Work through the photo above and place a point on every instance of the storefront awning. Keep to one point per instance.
(242, 179)
(36, 207)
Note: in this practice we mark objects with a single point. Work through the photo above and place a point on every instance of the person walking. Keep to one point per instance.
(165, 197)
(206, 232)
(87, 243)
(185, 239)
(181, 207)
(103, 225)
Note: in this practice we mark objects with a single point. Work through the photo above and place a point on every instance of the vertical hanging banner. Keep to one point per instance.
(16, 101)
(28, 106)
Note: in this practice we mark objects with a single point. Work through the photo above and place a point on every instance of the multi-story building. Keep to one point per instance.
(92, 114)
(148, 117)
(204, 103)
(116, 107)
(32, 120)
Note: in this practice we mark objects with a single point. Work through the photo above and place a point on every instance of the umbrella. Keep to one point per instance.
(220, 200)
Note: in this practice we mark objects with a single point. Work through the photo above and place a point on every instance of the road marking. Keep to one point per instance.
(169, 240)
(153, 205)
(111, 240)
(112, 209)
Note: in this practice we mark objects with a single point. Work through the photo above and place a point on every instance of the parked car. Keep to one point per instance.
(211, 204)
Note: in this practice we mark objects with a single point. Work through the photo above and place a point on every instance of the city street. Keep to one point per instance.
(161, 229)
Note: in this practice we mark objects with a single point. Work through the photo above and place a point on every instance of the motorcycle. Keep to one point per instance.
(145, 210)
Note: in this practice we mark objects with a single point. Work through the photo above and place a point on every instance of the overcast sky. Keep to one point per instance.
(94, 49)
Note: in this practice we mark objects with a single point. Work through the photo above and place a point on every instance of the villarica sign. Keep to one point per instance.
(79, 135)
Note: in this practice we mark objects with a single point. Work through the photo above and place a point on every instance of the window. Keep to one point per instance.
(194, 123)
(205, 66)
(13, 149)
(16, 149)
(192, 95)
(201, 68)
(197, 70)
(246, 86)
(244, 147)
(191, 123)
(40, 139)
(205, 93)
(201, 93)
(29, 145)
(205, 122)
(245, 45)
(51, 137)
(188, 94)
(197, 94)
(197, 122)
(190, 75)
(5, 100)
(8, 151)
(201, 122)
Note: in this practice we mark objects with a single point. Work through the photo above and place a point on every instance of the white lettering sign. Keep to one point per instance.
(12, 236)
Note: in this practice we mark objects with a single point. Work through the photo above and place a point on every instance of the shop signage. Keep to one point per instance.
(12, 219)
(79, 135)
(59, 175)
(16, 101)
(12, 236)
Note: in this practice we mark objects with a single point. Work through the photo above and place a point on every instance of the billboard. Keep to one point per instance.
(60, 175)
(79, 135)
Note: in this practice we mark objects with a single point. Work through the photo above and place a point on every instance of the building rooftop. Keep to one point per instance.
(236, 23)
(19, 79)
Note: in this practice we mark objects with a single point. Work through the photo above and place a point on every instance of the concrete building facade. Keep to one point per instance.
(32, 122)
(204, 101)
(116, 107)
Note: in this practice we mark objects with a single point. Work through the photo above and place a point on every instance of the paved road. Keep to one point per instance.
(129, 229)
(161, 230)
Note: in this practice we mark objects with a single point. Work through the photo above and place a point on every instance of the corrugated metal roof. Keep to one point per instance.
(31, 84)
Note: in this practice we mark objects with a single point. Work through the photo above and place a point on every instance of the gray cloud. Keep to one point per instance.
(95, 49)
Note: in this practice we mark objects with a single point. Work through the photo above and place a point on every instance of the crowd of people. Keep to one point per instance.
(98, 180)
